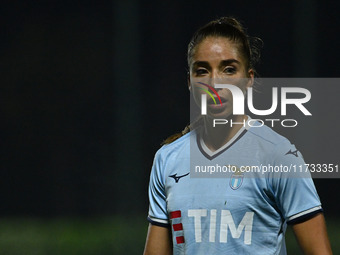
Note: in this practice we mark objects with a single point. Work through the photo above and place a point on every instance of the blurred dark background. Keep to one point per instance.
(89, 89)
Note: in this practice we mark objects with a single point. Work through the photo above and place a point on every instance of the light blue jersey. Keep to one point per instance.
(239, 213)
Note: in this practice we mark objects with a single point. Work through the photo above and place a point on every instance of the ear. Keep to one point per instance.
(251, 78)
(189, 81)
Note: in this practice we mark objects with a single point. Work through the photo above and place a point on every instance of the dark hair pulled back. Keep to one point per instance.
(232, 29)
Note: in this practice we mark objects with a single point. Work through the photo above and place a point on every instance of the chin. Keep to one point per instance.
(219, 115)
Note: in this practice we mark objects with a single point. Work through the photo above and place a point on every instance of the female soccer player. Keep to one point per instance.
(235, 214)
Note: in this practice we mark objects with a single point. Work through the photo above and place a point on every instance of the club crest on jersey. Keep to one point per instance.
(236, 180)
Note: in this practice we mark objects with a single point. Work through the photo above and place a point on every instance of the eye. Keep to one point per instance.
(201, 71)
(229, 70)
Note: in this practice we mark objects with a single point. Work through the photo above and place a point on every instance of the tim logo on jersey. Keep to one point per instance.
(227, 227)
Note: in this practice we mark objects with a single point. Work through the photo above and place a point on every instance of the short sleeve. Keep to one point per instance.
(157, 197)
(293, 187)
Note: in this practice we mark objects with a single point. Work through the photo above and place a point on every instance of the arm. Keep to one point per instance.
(158, 241)
(312, 236)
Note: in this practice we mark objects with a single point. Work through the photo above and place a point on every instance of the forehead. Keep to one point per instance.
(216, 49)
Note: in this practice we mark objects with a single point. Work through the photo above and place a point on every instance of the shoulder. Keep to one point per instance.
(170, 155)
(267, 135)
(177, 147)
(272, 143)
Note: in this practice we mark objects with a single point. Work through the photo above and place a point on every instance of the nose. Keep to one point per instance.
(215, 78)
(214, 74)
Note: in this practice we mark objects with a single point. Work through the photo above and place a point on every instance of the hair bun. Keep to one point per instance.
(230, 21)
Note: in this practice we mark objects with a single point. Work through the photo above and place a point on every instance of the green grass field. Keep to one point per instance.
(96, 236)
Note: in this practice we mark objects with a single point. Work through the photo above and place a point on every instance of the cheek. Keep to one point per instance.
(195, 89)
(242, 84)
(197, 95)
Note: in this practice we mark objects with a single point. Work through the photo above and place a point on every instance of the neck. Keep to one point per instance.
(215, 137)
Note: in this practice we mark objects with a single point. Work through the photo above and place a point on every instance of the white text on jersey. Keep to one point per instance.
(227, 222)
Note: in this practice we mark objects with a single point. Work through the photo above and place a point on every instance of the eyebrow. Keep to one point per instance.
(222, 63)
(229, 61)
